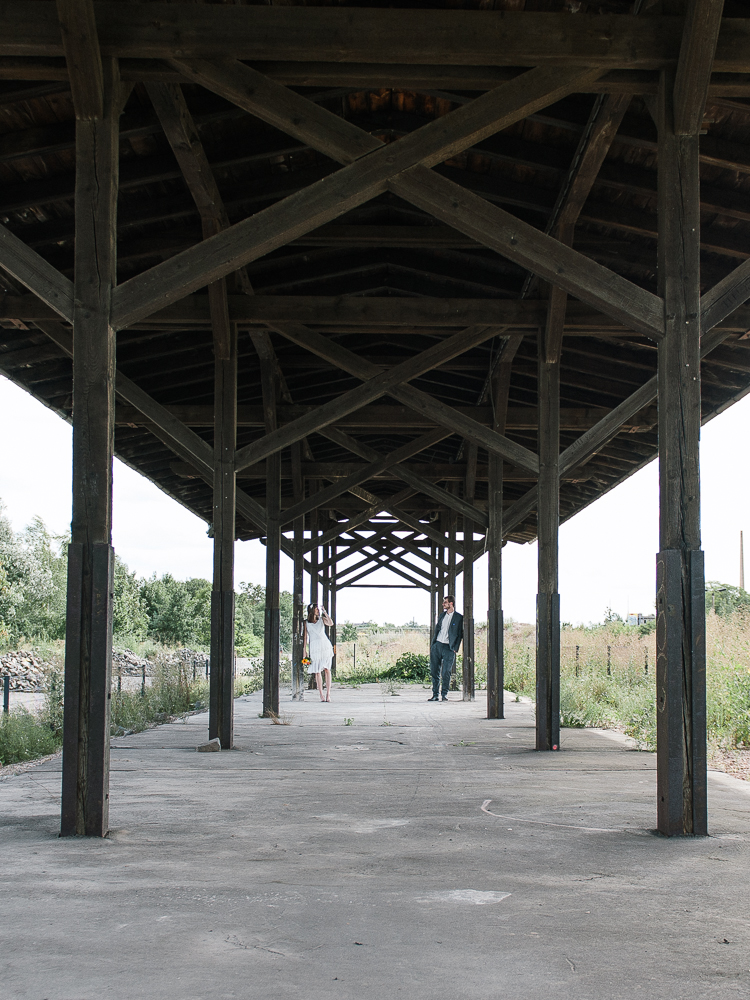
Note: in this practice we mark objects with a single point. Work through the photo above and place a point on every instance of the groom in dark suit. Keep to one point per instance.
(446, 640)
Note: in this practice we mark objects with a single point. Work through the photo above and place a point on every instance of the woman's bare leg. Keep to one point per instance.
(328, 684)
(319, 682)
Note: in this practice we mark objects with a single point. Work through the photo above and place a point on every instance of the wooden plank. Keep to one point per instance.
(377, 465)
(409, 476)
(596, 139)
(414, 398)
(373, 388)
(272, 614)
(468, 576)
(681, 655)
(88, 659)
(340, 192)
(273, 103)
(33, 271)
(331, 35)
(725, 297)
(221, 693)
(82, 56)
(539, 253)
(386, 416)
(699, 38)
(548, 519)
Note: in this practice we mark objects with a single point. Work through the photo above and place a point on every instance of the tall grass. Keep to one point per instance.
(607, 677)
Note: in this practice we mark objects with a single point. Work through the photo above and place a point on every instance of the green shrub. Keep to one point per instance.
(25, 737)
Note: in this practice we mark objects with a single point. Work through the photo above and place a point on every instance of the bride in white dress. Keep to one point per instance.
(321, 650)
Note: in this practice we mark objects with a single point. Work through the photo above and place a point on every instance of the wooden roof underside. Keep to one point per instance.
(384, 280)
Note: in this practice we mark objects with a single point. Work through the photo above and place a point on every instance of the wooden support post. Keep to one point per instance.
(468, 645)
(495, 634)
(221, 692)
(298, 485)
(272, 618)
(548, 520)
(314, 552)
(332, 608)
(88, 649)
(680, 607)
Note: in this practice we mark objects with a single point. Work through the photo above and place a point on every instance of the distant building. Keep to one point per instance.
(639, 619)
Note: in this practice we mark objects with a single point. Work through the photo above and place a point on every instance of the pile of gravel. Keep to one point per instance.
(25, 669)
(125, 661)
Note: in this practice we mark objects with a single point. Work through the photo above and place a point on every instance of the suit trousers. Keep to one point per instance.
(442, 659)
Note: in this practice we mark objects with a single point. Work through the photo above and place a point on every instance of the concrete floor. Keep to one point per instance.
(421, 852)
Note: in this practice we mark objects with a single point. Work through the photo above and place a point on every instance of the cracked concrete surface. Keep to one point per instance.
(422, 852)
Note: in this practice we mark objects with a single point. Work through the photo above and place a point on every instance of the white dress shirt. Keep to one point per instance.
(444, 627)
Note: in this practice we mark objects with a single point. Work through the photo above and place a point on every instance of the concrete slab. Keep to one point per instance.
(419, 852)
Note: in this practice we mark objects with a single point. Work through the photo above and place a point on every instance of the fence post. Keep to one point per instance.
(645, 663)
(143, 680)
(609, 661)
(119, 678)
(578, 648)
(6, 694)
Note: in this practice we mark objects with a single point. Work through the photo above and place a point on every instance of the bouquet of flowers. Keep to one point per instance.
(306, 661)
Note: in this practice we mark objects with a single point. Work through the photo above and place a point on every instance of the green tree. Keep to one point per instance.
(130, 615)
(349, 632)
(33, 568)
(725, 599)
(179, 612)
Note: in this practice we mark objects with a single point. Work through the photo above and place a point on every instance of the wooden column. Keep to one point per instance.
(548, 519)
(314, 551)
(298, 598)
(271, 624)
(435, 607)
(88, 647)
(680, 608)
(495, 652)
(332, 609)
(468, 647)
(221, 692)
(452, 553)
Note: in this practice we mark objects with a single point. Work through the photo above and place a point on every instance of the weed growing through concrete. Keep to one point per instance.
(348, 722)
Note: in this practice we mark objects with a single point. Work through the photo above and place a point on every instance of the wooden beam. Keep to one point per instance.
(390, 505)
(272, 614)
(377, 465)
(336, 194)
(372, 36)
(497, 229)
(273, 103)
(33, 271)
(596, 139)
(725, 297)
(680, 600)
(358, 519)
(440, 413)
(91, 561)
(468, 576)
(374, 387)
(699, 38)
(409, 476)
(82, 56)
(221, 694)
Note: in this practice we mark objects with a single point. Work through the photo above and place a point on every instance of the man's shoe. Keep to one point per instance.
(434, 698)
(445, 697)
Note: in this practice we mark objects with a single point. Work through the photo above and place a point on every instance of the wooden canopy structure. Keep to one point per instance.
(396, 283)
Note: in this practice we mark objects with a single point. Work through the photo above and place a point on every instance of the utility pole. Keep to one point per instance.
(742, 563)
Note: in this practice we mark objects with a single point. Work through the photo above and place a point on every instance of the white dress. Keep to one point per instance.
(321, 650)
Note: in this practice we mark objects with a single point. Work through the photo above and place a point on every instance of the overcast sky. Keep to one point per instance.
(607, 553)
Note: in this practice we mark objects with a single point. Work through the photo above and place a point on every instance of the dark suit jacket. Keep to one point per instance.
(455, 632)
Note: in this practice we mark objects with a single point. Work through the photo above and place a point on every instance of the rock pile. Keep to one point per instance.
(125, 662)
(25, 669)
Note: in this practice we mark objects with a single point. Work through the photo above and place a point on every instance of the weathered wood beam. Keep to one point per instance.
(377, 465)
(410, 477)
(440, 413)
(272, 615)
(371, 36)
(33, 271)
(497, 229)
(385, 417)
(358, 519)
(725, 297)
(374, 387)
(699, 38)
(602, 126)
(390, 505)
(680, 600)
(91, 559)
(83, 57)
(336, 194)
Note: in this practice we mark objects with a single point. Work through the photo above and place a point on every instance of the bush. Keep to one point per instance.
(25, 737)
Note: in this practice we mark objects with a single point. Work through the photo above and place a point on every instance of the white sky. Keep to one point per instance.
(607, 553)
